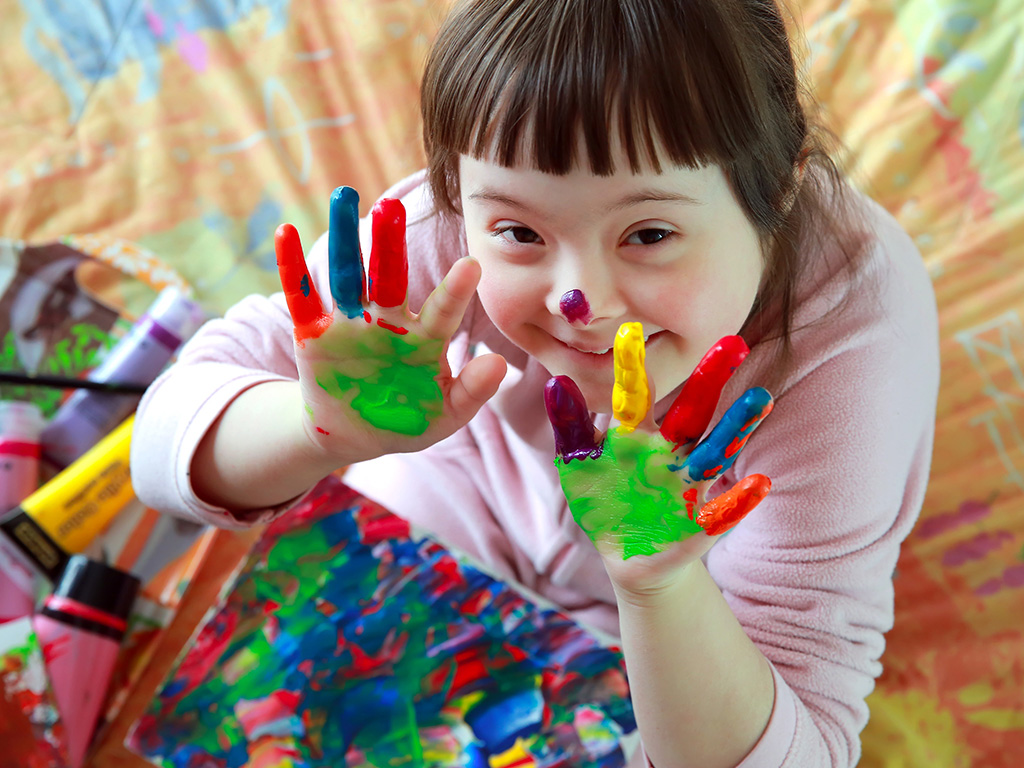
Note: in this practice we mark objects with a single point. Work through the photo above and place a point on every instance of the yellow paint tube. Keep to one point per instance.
(67, 513)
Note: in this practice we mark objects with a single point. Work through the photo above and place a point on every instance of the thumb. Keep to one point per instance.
(475, 385)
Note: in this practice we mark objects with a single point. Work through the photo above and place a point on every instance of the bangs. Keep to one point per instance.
(523, 83)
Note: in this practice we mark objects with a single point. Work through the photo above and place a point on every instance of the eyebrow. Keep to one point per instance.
(641, 196)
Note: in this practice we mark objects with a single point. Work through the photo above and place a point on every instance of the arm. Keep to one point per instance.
(371, 376)
(685, 638)
(637, 495)
(808, 578)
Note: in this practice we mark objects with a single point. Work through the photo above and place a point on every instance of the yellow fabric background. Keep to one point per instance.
(173, 137)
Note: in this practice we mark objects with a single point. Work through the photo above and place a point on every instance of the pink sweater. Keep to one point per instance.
(808, 573)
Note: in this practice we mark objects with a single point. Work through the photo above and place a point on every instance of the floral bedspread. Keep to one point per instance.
(172, 136)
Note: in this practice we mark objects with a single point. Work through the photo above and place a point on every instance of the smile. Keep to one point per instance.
(597, 352)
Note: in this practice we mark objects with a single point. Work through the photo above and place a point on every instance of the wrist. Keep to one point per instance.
(664, 593)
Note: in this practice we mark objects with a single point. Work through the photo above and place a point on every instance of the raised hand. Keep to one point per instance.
(372, 374)
(637, 491)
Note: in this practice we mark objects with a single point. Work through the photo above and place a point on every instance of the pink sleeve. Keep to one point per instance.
(809, 574)
(250, 345)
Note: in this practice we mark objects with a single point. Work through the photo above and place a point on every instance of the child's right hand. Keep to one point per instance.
(374, 377)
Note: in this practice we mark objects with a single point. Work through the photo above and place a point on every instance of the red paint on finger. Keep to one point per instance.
(322, 431)
(724, 512)
(693, 408)
(713, 472)
(367, 318)
(303, 301)
(393, 328)
(389, 259)
(691, 501)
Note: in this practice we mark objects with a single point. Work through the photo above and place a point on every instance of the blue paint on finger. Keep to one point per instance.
(718, 451)
(345, 263)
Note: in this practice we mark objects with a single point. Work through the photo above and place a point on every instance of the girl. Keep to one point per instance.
(594, 163)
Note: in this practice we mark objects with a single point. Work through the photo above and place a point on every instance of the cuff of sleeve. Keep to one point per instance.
(192, 434)
(773, 746)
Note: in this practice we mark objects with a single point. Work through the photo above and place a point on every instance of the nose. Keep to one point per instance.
(584, 290)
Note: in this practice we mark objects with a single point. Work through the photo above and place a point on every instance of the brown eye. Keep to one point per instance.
(648, 236)
(523, 235)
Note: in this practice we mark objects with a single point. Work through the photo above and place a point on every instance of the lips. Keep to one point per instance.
(593, 349)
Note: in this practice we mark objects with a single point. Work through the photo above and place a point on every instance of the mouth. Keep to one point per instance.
(596, 352)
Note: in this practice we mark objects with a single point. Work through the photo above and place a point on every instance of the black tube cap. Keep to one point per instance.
(98, 585)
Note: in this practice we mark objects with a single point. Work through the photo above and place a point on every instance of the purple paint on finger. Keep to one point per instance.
(574, 306)
(570, 419)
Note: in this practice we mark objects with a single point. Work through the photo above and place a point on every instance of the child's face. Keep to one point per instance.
(671, 250)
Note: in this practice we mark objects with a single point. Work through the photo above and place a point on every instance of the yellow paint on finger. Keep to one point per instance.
(631, 396)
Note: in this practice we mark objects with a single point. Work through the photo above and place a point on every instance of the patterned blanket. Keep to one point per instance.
(191, 128)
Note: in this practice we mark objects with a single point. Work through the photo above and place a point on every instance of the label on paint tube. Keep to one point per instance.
(67, 513)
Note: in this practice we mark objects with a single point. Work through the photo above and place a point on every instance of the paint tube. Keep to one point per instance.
(80, 628)
(68, 512)
(138, 358)
(20, 425)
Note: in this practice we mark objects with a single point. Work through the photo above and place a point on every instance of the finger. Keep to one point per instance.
(570, 419)
(445, 307)
(723, 512)
(693, 408)
(304, 303)
(389, 260)
(345, 263)
(476, 384)
(631, 396)
(717, 452)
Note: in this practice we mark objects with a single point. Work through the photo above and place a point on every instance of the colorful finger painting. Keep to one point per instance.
(388, 379)
(346, 641)
(638, 491)
(31, 733)
(386, 373)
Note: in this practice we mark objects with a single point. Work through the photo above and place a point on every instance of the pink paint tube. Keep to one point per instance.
(20, 426)
(80, 628)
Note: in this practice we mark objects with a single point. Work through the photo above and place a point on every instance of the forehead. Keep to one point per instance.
(485, 183)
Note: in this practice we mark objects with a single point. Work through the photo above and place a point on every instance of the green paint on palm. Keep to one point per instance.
(628, 495)
(394, 379)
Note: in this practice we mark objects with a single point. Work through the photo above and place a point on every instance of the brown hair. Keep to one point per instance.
(713, 81)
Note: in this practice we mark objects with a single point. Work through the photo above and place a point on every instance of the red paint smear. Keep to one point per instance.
(393, 328)
(389, 260)
(736, 445)
(712, 472)
(367, 318)
(322, 431)
(691, 495)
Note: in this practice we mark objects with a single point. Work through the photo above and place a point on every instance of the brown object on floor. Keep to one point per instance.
(231, 547)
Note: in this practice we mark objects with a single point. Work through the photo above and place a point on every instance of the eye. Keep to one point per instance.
(521, 235)
(650, 236)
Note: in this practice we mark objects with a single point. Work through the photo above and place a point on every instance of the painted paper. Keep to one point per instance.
(31, 734)
(346, 640)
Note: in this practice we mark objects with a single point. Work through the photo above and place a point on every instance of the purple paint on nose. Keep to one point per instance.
(574, 306)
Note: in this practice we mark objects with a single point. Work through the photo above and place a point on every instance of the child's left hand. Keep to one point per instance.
(640, 491)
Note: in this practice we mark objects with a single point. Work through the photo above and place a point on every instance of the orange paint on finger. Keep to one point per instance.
(304, 306)
(722, 513)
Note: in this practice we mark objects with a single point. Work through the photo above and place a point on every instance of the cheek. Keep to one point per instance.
(506, 296)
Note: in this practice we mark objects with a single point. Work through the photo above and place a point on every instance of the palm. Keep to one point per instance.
(371, 373)
(640, 494)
